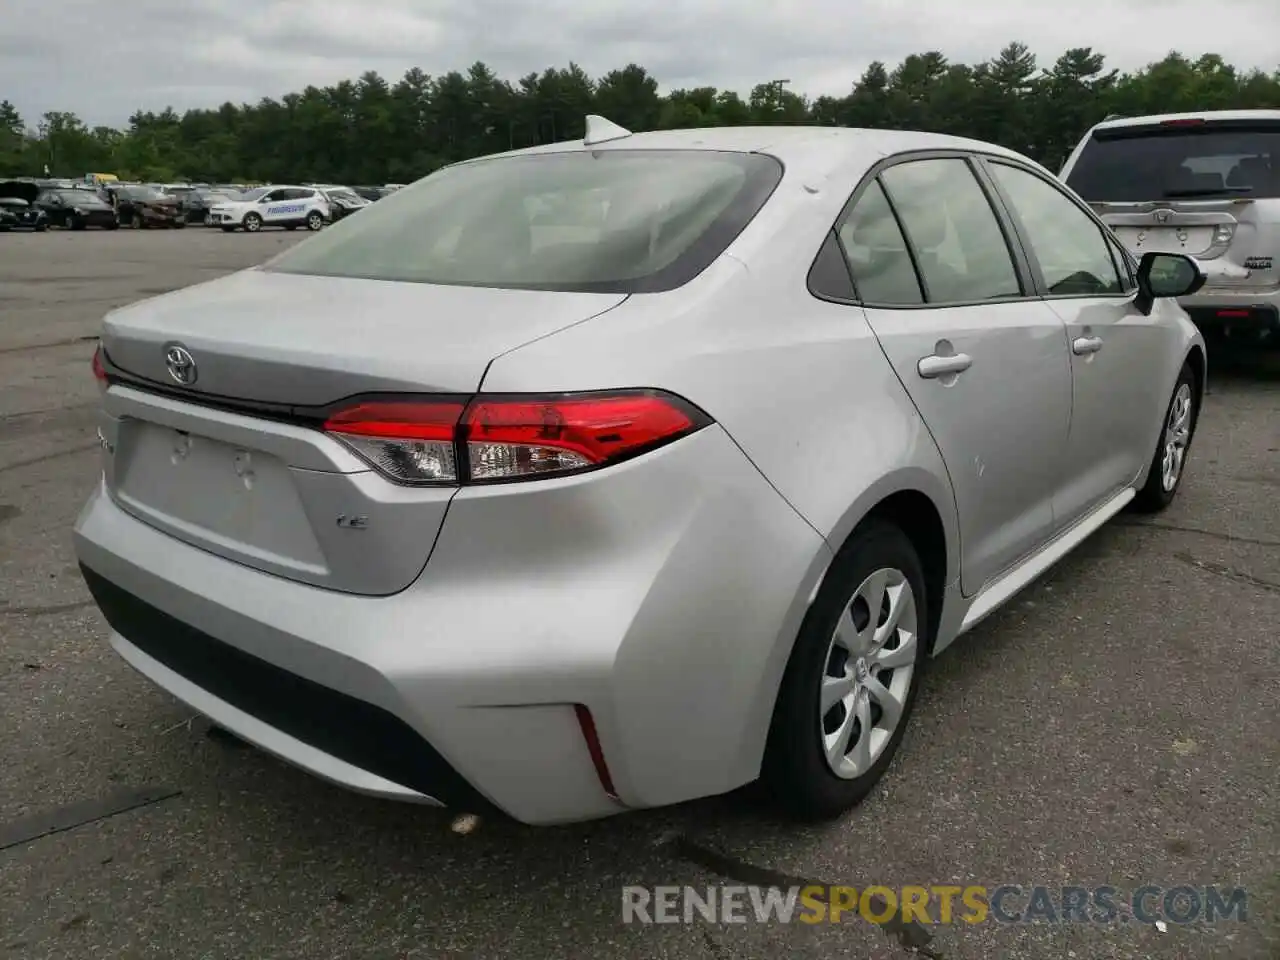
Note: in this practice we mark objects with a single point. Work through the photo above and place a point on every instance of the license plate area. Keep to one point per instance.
(1191, 240)
(236, 501)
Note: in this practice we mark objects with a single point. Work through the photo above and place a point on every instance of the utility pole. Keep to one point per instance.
(776, 86)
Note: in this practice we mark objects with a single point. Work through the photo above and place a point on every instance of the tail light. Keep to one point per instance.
(1183, 122)
(494, 438)
(99, 369)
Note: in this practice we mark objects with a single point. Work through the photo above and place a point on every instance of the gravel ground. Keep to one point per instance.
(1117, 724)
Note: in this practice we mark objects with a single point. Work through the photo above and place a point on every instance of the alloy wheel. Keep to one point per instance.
(1177, 435)
(868, 673)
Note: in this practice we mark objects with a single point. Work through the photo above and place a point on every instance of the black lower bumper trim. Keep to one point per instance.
(359, 733)
(1251, 323)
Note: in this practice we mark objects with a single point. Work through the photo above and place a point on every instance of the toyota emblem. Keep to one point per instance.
(181, 365)
(1163, 215)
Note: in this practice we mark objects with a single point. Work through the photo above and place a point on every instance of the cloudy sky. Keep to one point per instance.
(104, 60)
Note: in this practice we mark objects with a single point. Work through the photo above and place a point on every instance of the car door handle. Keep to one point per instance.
(933, 367)
(1083, 345)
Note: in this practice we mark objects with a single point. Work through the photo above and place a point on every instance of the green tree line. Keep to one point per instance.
(370, 130)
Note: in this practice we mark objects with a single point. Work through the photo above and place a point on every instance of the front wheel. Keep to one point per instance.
(851, 681)
(1170, 458)
(252, 223)
(137, 221)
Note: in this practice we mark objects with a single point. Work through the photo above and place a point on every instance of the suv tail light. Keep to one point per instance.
(497, 438)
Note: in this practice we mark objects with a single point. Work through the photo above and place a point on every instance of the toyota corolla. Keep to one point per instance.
(615, 473)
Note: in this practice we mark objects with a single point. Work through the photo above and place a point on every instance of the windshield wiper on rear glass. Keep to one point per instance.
(1216, 192)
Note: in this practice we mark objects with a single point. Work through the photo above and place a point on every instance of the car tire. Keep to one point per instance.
(208, 220)
(229, 229)
(1169, 462)
(252, 222)
(314, 221)
(137, 222)
(78, 224)
(113, 225)
(808, 772)
(41, 227)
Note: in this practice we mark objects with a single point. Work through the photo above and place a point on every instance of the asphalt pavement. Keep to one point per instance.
(1118, 723)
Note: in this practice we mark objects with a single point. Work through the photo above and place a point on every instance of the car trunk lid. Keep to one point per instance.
(234, 462)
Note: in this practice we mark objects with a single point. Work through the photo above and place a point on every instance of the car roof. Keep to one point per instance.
(1154, 118)
(815, 151)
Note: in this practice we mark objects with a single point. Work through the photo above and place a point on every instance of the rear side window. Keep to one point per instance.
(617, 221)
(1179, 161)
(1074, 254)
(953, 231)
(877, 253)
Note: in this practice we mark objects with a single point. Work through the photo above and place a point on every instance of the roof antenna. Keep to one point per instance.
(600, 130)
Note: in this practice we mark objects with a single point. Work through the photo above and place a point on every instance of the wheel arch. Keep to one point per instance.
(916, 515)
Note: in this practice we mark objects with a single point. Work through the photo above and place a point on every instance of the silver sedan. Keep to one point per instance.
(615, 473)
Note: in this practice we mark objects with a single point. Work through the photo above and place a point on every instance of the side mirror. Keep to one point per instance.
(1162, 275)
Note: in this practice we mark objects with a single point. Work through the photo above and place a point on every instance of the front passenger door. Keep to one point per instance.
(984, 361)
(1117, 352)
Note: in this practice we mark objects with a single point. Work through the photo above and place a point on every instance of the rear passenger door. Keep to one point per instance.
(986, 363)
(1118, 354)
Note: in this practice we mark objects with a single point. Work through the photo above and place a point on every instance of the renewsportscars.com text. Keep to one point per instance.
(935, 904)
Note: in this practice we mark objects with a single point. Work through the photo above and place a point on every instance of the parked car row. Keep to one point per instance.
(37, 205)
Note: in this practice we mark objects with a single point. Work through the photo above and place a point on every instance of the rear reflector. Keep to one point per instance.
(499, 438)
(1184, 122)
(99, 371)
(587, 724)
(1239, 314)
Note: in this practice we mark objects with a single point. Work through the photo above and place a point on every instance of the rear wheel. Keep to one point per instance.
(137, 221)
(113, 225)
(852, 678)
(78, 224)
(314, 221)
(228, 229)
(252, 222)
(1170, 459)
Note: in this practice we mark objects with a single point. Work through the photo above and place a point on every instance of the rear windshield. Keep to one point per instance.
(624, 221)
(1170, 162)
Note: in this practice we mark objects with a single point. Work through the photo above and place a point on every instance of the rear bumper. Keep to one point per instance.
(1244, 318)
(662, 594)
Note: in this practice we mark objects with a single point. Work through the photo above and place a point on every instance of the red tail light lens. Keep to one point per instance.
(510, 438)
(99, 370)
(409, 441)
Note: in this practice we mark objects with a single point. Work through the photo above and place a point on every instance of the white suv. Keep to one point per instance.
(288, 207)
(1204, 184)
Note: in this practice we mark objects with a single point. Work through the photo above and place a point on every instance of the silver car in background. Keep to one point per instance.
(615, 473)
(1206, 185)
